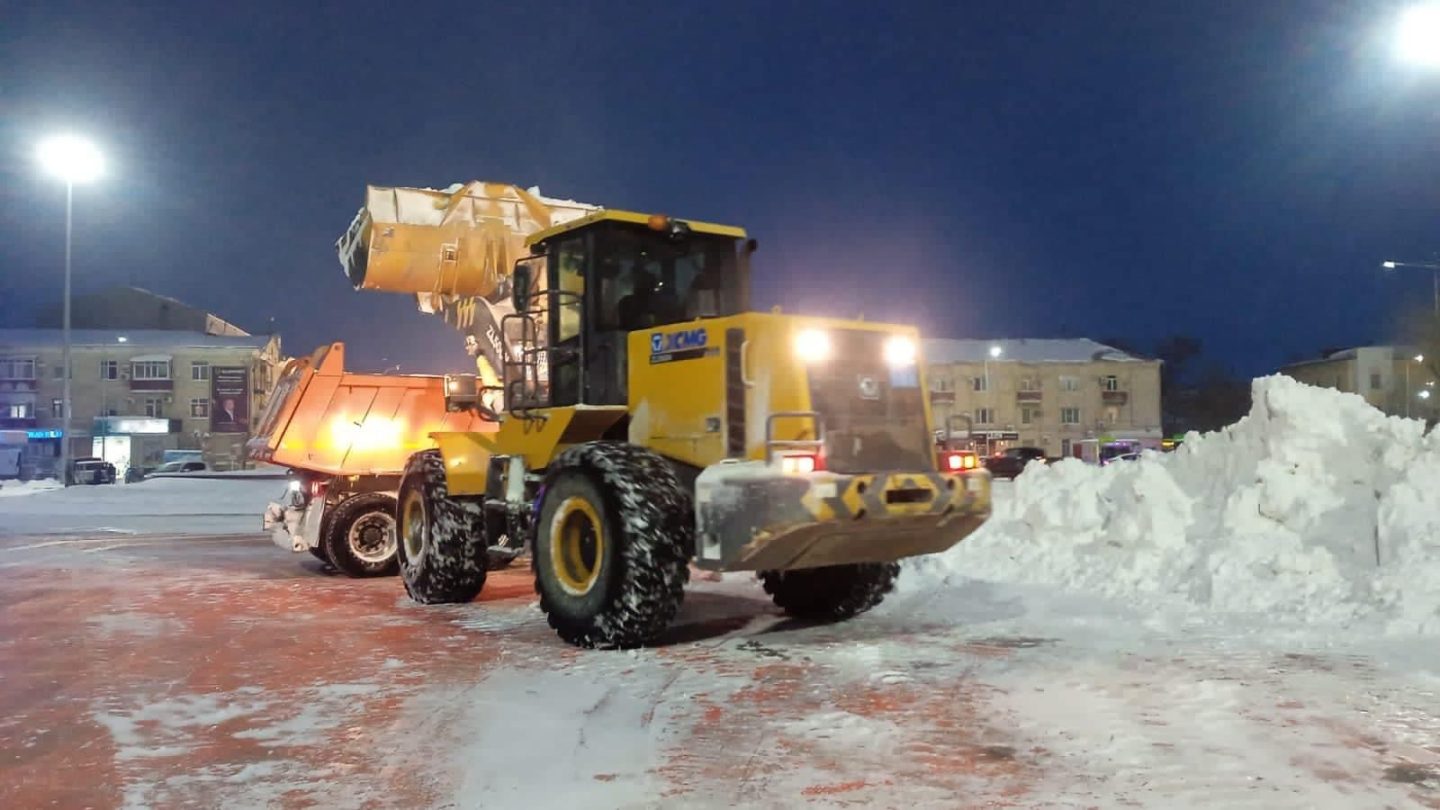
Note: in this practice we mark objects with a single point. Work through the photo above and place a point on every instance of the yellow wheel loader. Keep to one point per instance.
(647, 421)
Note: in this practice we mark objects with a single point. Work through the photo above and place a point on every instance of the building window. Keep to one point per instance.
(17, 368)
(112, 412)
(199, 370)
(109, 369)
(1069, 384)
(57, 408)
(20, 410)
(199, 408)
(984, 416)
(58, 371)
(1112, 415)
(1375, 381)
(150, 370)
(1029, 384)
(939, 385)
(1065, 448)
(979, 384)
(154, 407)
(1069, 416)
(1110, 383)
(1029, 416)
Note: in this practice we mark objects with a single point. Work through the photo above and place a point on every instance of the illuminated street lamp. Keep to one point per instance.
(74, 160)
(1417, 36)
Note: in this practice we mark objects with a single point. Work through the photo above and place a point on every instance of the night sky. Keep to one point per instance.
(1231, 170)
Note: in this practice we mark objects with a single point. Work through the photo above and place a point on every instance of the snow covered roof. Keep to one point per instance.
(1025, 350)
(48, 338)
(1397, 352)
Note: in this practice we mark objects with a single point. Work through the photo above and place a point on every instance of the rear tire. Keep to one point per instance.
(441, 548)
(612, 545)
(832, 593)
(360, 539)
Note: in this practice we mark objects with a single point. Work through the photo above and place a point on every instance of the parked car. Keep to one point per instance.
(1121, 457)
(1010, 463)
(171, 467)
(91, 470)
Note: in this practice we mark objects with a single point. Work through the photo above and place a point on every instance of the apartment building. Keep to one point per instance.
(1058, 395)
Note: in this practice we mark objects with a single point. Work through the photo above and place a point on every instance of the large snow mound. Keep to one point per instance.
(12, 488)
(1315, 506)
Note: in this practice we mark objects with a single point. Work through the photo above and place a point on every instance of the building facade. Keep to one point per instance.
(1067, 397)
(135, 393)
(1396, 379)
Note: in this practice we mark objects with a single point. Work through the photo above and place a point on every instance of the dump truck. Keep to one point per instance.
(647, 421)
(346, 438)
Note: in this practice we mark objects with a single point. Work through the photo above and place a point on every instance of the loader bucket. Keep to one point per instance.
(462, 241)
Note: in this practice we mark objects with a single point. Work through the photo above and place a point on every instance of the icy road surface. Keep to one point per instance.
(179, 505)
(165, 670)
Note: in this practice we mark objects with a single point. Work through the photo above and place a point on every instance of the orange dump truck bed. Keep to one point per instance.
(325, 420)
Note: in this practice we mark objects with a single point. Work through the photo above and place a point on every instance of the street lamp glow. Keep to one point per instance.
(995, 351)
(1388, 265)
(1419, 358)
(1417, 39)
(72, 159)
(1425, 394)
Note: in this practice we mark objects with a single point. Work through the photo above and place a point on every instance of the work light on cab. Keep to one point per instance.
(900, 351)
(812, 345)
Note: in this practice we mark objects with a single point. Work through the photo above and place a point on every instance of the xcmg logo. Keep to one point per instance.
(664, 343)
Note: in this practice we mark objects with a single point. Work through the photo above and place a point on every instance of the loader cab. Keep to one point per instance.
(589, 283)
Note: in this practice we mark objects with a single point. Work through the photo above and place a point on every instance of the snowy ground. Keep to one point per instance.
(166, 505)
(172, 669)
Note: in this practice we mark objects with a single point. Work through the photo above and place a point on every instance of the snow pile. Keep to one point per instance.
(1315, 506)
(11, 488)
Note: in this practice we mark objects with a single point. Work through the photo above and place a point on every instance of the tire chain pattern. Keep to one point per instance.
(655, 515)
(453, 566)
(832, 593)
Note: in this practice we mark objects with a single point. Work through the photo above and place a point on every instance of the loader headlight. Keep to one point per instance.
(294, 486)
(900, 351)
(812, 345)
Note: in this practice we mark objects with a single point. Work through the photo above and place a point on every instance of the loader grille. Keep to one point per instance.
(874, 415)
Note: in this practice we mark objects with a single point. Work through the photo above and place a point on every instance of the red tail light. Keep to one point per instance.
(317, 488)
(957, 462)
(807, 463)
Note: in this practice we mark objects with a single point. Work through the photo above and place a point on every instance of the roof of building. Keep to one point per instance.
(31, 338)
(1039, 350)
(1396, 352)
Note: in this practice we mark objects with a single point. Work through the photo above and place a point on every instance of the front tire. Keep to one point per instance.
(441, 546)
(832, 593)
(612, 544)
(360, 539)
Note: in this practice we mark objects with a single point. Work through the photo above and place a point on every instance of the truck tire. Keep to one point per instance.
(360, 537)
(318, 552)
(612, 545)
(441, 546)
(831, 593)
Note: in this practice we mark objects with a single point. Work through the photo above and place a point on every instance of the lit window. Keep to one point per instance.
(199, 408)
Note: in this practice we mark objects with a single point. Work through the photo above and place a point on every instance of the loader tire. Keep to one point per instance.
(318, 552)
(832, 593)
(612, 545)
(441, 548)
(360, 537)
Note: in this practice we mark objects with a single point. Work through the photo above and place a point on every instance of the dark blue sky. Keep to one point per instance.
(1232, 170)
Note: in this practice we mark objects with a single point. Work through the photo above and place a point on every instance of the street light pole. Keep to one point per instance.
(73, 160)
(65, 357)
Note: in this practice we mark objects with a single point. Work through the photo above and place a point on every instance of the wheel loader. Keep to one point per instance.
(647, 421)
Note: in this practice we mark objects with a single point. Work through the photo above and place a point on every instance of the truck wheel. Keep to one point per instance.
(831, 593)
(360, 536)
(442, 539)
(611, 545)
(318, 552)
